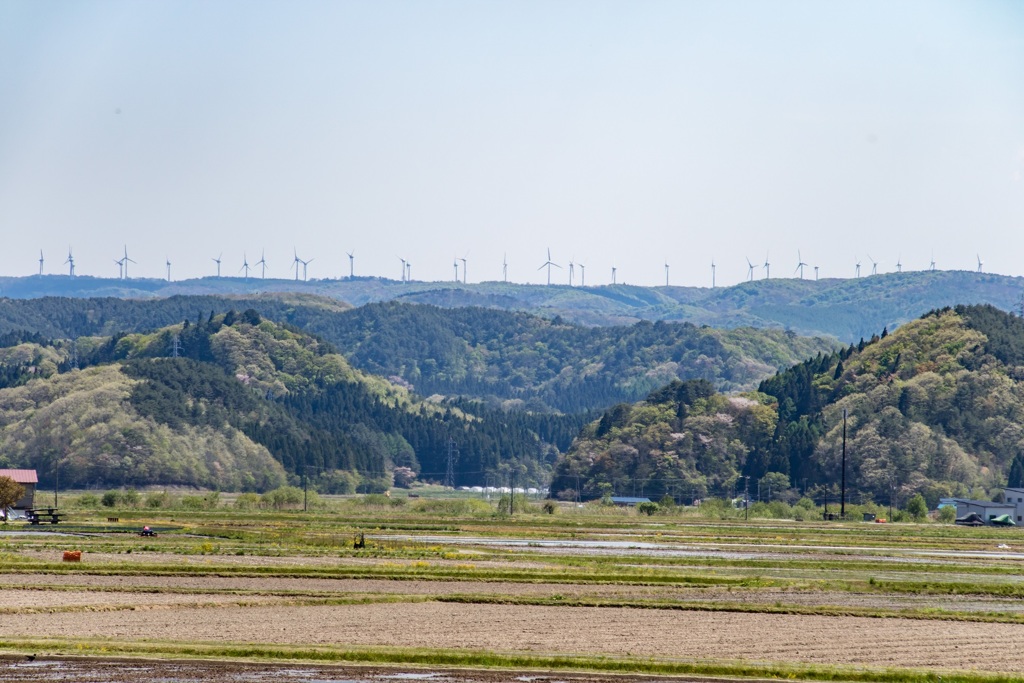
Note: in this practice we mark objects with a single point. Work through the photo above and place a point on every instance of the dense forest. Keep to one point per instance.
(934, 408)
(237, 402)
(510, 360)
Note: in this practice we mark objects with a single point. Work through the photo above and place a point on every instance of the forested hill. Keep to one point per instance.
(936, 407)
(551, 363)
(233, 401)
(541, 363)
(847, 309)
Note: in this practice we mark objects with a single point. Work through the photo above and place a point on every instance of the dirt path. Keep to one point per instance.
(569, 630)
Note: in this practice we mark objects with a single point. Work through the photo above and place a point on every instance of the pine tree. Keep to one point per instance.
(1016, 478)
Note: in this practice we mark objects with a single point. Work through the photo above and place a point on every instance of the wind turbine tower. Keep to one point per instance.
(217, 261)
(899, 263)
(305, 265)
(408, 272)
(296, 262)
(70, 263)
(712, 273)
(40, 261)
(351, 264)
(931, 266)
(262, 262)
(504, 268)
(127, 261)
(572, 270)
(463, 259)
(614, 270)
(403, 267)
(857, 268)
(455, 265)
(767, 267)
(666, 273)
(547, 264)
(245, 265)
(168, 259)
(981, 264)
(800, 264)
(750, 270)
(874, 265)
(120, 268)
(583, 275)
(815, 273)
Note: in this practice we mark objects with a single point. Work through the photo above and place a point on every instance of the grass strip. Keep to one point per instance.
(493, 660)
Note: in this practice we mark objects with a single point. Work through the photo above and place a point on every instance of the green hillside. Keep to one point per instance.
(235, 401)
(933, 408)
(846, 309)
(513, 359)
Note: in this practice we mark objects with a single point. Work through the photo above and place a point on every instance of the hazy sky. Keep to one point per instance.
(620, 133)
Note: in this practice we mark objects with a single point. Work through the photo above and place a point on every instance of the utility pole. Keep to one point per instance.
(305, 485)
(746, 498)
(842, 503)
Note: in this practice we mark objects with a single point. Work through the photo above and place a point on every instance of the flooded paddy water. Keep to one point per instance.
(90, 670)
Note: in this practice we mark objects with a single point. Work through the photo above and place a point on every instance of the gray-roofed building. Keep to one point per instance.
(986, 509)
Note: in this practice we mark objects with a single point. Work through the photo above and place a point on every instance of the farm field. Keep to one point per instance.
(455, 587)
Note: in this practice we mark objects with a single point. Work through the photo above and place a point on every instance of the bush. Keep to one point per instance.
(455, 507)
(373, 486)
(128, 498)
(917, 507)
(208, 501)
(716, 508)
(281, 498)
(247, 501)
(647, 508)
(549, 507)
(158, 500)
(337, 482)
(381, 500)
(87, 500)
(947, 514)
(521, 503)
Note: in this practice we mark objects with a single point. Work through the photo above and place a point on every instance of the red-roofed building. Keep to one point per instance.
(28, 479)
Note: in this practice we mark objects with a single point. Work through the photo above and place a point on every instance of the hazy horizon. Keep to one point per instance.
(616, 134)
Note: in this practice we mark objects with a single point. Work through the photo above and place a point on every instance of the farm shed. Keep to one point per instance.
(1015, 497)
(986, 509)
(28, 479)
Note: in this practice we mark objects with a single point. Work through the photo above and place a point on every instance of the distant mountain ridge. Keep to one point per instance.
(847, 309)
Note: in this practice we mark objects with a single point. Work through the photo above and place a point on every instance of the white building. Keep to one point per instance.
(1015, 497)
